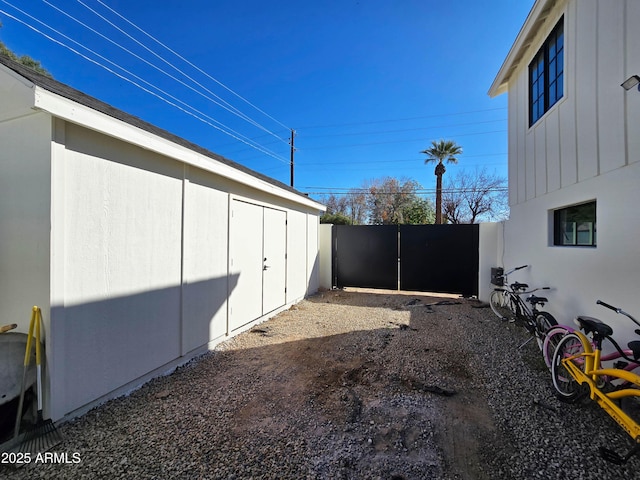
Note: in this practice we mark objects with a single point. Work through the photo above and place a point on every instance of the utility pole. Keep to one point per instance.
(293, 134)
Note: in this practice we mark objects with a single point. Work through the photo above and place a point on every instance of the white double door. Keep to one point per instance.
(258, 262)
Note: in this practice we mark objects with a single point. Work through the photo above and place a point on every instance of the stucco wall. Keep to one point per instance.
(490, 249)
(313, 253)
(581, 275)
(326, 255)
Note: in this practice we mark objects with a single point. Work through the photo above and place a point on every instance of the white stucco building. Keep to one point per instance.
(574, 156)
(141, 248)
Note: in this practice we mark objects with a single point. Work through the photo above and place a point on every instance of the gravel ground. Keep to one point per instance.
(351, 385)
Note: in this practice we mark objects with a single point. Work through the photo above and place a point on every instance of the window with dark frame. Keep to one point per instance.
(546, 74)
(575, 225)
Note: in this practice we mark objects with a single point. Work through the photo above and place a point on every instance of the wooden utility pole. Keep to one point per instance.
(293, 133)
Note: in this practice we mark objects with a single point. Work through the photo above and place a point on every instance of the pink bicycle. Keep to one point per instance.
(557, 332)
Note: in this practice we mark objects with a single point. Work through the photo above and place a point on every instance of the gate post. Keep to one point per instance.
(490, 249)
(326, 255)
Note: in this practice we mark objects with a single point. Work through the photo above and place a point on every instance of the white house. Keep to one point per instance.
(142, 249)
(574, 156)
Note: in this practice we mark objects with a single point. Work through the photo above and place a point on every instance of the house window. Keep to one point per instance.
(575, 225)
(546, 74)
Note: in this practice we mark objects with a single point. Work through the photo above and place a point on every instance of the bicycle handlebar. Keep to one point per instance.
(617, 310)
(610, 307)
(535, 290)
(513, 270)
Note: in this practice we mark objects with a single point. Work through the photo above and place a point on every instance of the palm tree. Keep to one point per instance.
(441, 150)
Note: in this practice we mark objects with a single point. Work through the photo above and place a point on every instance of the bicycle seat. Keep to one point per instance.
(519, 286)
(590, 324)
(635, 348)
(534, 300)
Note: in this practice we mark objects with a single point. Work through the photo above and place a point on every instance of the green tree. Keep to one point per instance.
(381, 201)
(351, 205)
(419, 212)
(25, 60)
(392, 202)
(439, 152)
(336, 219)
(387, 199)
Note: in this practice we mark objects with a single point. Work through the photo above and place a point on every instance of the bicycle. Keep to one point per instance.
(508, 305)
(577, 372)
(556, 333)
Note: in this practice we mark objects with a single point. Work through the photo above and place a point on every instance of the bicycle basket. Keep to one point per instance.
(497, 277)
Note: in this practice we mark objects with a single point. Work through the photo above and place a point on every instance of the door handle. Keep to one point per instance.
(265, 267)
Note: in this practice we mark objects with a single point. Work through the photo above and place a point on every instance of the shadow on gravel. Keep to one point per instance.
(343, 386)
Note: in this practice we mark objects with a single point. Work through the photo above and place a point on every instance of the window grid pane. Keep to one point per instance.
(575, 226)
(546, 74)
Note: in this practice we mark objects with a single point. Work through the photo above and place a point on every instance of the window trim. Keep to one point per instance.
(542, 57)
(559, 227)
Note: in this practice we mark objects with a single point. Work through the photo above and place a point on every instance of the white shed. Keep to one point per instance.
(142, 249)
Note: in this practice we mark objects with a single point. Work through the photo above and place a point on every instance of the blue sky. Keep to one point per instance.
(366, 85)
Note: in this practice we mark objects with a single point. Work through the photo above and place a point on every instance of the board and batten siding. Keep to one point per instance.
(121, 231)
(585, 148)
(141, 256)
(595, 127)
(25, 190)
(121, 213)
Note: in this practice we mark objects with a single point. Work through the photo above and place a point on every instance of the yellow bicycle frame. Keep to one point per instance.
(604, 400)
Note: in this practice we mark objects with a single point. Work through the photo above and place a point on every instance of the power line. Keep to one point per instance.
(398, 141)
(220, 101)
(197, 115)
(227, 106)
(424, 191)
(382, 132)
(372, 122)
(236, 134)
(412, 160)
(196, 67)
(271, 154)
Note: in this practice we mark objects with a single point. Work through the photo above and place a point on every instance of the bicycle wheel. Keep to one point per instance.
(551, 340)
(544, 321)
(566, 386)
(501, 304)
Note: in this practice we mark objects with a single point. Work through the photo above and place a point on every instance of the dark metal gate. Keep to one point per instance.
(426, 258)
(439, 258)
(365, 256)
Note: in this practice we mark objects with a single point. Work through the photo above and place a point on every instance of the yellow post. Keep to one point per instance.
(29, 337)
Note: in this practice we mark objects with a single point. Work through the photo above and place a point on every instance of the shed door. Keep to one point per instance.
(257, 262)
(245, 298)
(274, 267)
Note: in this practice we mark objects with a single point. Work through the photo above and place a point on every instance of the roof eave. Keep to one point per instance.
(71, 111)
(537, 14)
(62, 101)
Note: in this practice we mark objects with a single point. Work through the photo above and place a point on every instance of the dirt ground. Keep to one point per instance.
(394, 372)
(348, 385)
(344, 385)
